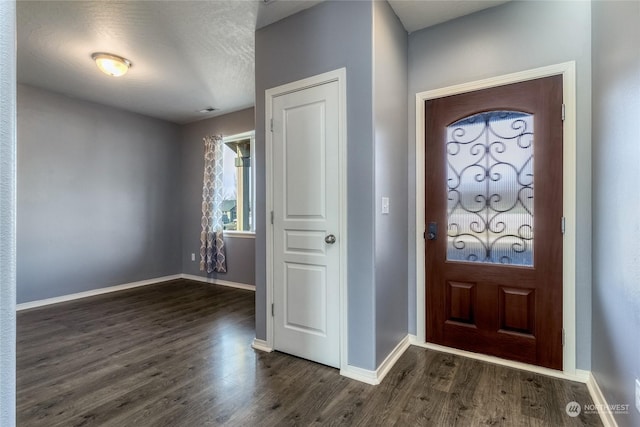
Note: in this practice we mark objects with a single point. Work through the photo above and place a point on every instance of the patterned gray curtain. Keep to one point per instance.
(212, 252)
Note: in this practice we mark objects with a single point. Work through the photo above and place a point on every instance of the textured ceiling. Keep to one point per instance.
(186, 55)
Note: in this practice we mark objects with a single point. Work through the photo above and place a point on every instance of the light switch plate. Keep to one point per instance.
(385, 205)
(638, 394)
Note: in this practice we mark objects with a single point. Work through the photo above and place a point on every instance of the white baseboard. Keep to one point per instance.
(94, 292)
(363, 375)
(100, 291)
(582, 376)
(376, 377)
(598, 398)
(218, 282)
(261, 345)
(578, 375)
(392, 358)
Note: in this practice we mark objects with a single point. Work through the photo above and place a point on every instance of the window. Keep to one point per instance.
(238, 181)
(490, 188)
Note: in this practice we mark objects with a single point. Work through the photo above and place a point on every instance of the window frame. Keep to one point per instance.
(246, 234)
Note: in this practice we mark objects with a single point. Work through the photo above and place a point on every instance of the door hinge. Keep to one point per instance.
(271, 217)
(273, 311)
(563, 113)
(563, 224)
(563, 339)
(272, 123)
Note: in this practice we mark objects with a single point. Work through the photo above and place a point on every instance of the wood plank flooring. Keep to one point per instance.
(178, 354)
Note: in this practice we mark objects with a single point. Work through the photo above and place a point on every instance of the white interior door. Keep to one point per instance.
(306, 223)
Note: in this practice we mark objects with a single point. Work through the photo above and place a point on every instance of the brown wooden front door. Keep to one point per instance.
(493, 215)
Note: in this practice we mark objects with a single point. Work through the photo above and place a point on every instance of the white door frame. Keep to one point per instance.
(568, 72)
(339, 76)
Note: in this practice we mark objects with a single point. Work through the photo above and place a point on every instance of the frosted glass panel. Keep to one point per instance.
(490, 188)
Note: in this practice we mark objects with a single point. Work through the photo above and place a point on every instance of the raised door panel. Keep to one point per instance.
(305, 161)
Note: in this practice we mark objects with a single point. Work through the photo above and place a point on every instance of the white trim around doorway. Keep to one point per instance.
(340, 76)
(568, 72)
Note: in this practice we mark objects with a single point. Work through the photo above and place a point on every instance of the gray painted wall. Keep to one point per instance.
(512, 37)
(7, 214)
(326, 37)
(615, 360)
(390, 135)
(97, 192)
(240, 251)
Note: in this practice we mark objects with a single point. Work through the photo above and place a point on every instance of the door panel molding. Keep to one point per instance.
(567, 70)
(296, 240)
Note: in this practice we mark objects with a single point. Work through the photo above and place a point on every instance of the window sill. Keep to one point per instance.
(239, 234)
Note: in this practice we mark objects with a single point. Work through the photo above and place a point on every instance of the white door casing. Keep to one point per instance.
(305, 188)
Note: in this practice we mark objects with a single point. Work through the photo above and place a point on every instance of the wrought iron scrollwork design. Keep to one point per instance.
(490, 188)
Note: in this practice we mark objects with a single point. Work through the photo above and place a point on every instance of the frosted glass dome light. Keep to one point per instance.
(111, 65)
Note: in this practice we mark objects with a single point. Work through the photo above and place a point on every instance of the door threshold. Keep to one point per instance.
(579, 375)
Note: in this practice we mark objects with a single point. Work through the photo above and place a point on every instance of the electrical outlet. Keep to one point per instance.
(193, 257)
(638, 394)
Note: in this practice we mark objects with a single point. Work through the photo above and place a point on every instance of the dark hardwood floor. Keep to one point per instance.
(178, 354)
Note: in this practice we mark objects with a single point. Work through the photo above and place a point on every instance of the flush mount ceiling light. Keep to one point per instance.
(112, 65)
